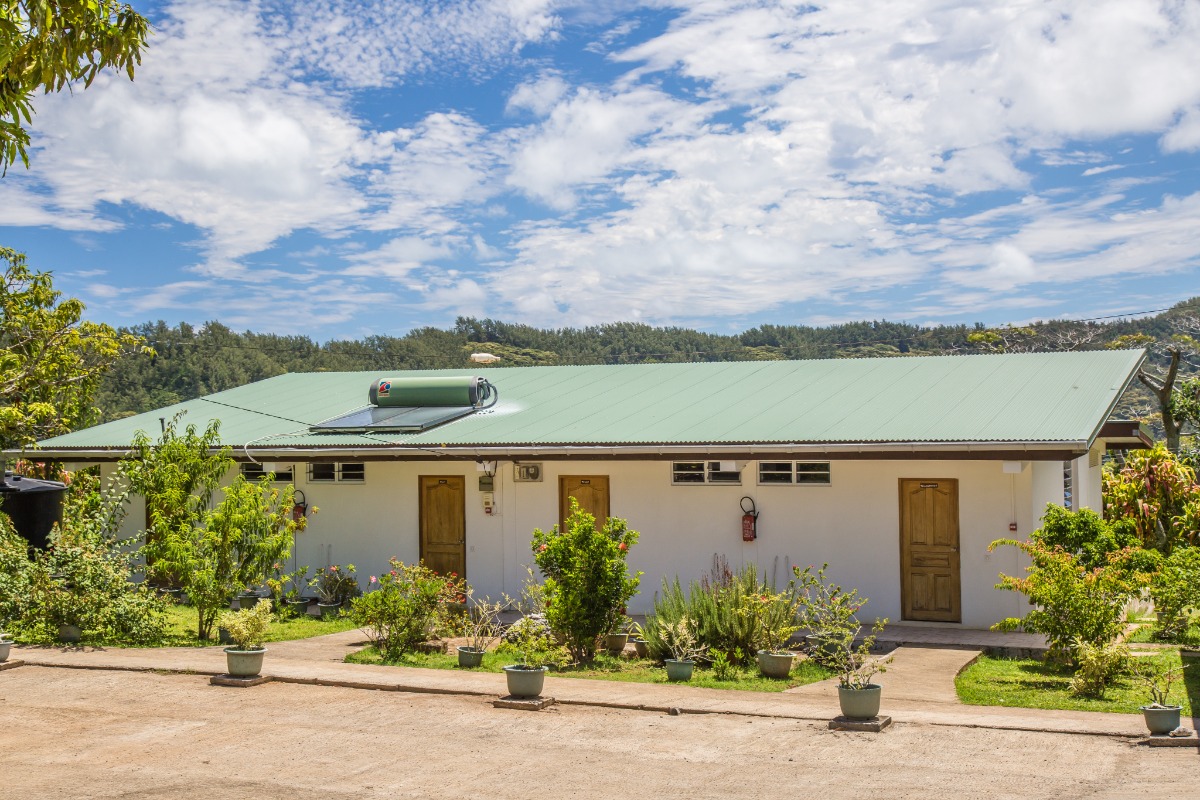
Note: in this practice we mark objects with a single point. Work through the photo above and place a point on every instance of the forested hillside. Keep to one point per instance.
(191, 362)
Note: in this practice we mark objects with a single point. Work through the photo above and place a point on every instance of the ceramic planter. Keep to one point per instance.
(247, 600)
(525, 681)
(775, 665)
(329, 610)
(244, 663)
(5, 647)
(470, 657)
(860, 703)
(679, 670)
(642, 648)
(615, 643)
(1161, 720)
(298, 607)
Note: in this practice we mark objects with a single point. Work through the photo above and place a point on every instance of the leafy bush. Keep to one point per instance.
(735, 614)
(15, 569)
(1073, 604)
(587, 580)
(248, 627)
(1086, 535)
(1158, 496)
(1097, 665)
(679, 639)
(1175, 590)
(406, 607)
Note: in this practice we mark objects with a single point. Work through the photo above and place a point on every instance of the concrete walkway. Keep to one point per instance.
(919, 686)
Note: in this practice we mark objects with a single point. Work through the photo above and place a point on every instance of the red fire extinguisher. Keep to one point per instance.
(300, 509)
(749, 520)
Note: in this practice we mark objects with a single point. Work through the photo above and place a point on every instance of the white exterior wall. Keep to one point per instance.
(853, 524)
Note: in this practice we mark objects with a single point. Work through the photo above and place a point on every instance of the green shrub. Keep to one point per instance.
(248, 627)
(1085, 534)
(15, 569)
(1073, 604)
(1097, 665)
(734, 614)
(830, 614)
(405, 609)
(587, 580)
(1175, 590)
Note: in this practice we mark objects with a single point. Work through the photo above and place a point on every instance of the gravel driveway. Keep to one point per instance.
(69, 733)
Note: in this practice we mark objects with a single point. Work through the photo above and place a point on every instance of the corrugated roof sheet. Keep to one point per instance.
(1029, 397)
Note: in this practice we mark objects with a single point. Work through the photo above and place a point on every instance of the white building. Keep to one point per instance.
(898, 472)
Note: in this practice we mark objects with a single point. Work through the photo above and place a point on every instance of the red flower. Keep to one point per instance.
(542, 549)
(622, 547)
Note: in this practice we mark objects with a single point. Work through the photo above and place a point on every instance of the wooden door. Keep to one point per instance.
(929, 564)
(590, 490)
(443, 512)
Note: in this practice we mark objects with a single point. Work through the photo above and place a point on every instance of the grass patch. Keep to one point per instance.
(1029, 683)
(181, 628)
(1145, 634)
(607, 668)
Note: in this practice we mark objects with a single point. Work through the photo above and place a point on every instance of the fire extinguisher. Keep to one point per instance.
(300, 509)
(749, 520)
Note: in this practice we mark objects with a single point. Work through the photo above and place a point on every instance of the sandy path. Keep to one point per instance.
(75, 733)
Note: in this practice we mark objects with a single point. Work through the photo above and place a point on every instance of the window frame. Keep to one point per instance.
(338, 472)
(794, 473)
(704, 476)
(248, 471)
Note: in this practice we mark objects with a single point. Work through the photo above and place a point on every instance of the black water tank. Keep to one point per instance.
(33, 505)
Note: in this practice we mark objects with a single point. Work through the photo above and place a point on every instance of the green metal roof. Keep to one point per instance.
(1012, 398)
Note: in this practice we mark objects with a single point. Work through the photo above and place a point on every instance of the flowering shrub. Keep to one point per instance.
(1157, 495)
(831, 616)
(403, 611)
(587, 580)
(336, 585)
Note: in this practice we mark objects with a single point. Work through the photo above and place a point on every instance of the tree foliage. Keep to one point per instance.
(211, 553)
(51, 45)
(1157, 495)
(51, 362)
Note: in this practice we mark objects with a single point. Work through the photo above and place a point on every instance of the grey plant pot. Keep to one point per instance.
(329, 611)
(642, 648)
(775, 665)
(1161, 720)
(248, 600)
(244, 663)
(679, 670)
(615, 643)
(470, 657)
(5, 647)
(860, 703)
(525, 681)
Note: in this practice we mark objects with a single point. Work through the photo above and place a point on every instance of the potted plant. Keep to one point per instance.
(334, 586)
(1161, 717)
(289, 597)
(248, 629)
(6, 644)
(774, 619)
(831, 615)
(615, 640)
(480, 626)
(526, 679)
(680, 640)
(638, 637)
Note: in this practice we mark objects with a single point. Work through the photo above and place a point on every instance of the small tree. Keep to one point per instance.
(1073, 604)
(51, 362)
(587, 580)
(210, 553)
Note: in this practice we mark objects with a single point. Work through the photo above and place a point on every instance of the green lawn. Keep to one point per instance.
(1145, 633)
(607, 668)
(181, 628)
(1029, 683)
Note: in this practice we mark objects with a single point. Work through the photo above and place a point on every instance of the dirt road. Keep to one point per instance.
(86, 734)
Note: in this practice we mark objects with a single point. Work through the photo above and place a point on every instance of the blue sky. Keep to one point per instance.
(371, 166)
